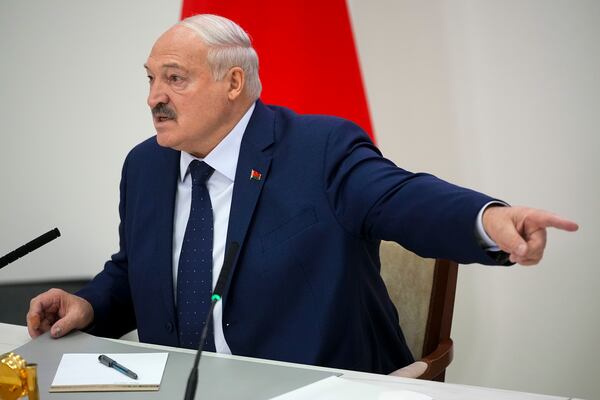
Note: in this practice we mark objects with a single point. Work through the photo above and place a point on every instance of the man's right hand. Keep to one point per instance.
(58, 312)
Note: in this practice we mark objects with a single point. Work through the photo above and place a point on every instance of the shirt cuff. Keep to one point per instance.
(485, 241)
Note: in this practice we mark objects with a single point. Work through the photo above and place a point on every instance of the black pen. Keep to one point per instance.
(109, 362)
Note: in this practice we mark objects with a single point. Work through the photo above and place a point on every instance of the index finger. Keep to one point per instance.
(38, 306)
(34, 317)
(546, 219)
(33, 324)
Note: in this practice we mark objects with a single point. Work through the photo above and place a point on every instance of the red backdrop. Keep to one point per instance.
(308, 60)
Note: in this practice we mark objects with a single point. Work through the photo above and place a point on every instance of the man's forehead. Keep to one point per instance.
(177, 48)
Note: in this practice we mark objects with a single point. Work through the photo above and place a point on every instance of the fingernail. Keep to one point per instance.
(56, 331)
(521, 250)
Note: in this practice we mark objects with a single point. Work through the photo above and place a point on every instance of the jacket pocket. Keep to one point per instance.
(290, 228)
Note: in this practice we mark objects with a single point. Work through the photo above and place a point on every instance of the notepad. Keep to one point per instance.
(82, 372)
(336, 388)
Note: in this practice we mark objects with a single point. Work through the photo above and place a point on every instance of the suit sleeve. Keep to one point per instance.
(109, 292)
(376, 200)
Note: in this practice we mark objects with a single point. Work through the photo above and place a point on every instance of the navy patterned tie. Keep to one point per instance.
(194, 276)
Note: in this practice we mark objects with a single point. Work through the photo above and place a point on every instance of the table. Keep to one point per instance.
(12, 336)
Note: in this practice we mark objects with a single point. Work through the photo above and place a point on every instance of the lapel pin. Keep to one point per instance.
(255, 175)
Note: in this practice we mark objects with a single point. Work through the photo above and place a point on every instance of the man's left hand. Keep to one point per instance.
(521, 231)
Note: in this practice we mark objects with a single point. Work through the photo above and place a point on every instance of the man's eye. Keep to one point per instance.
(175, 78)
(150, 78)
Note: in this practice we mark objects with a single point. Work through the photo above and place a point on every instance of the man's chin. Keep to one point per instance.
(165, 140)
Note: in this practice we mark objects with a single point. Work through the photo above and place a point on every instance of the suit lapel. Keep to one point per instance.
(254, 157)
(166, 189)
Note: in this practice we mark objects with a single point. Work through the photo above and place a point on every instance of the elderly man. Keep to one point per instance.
(307, 198)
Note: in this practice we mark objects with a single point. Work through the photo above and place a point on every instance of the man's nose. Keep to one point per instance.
(157, 95)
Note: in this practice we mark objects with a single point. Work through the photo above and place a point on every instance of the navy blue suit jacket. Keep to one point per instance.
(305, 285)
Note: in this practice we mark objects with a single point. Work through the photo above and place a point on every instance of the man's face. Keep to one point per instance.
(189, 107)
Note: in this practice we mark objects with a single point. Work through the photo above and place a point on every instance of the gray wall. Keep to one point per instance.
(500, 96)
(503, 97)
(72, 104)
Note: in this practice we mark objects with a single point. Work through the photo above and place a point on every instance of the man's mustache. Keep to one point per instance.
(163, 110)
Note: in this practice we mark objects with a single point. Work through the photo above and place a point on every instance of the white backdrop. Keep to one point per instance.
(503, 97)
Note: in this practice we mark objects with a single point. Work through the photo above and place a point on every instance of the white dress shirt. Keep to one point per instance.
(223, 159)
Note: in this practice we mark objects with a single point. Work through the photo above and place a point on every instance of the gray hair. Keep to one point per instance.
(228, 46)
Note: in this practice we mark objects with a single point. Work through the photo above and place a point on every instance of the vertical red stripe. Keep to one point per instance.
(308, 60)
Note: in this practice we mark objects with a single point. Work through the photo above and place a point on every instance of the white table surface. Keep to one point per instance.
(13, 336)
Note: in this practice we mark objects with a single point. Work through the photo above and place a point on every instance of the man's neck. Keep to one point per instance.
(236, 113)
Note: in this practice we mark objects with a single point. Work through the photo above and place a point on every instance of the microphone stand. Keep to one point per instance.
(192, 382)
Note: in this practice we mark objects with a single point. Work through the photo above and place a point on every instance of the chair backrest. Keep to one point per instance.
(423, 292)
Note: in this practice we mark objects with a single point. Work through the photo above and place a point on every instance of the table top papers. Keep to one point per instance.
(82, 372)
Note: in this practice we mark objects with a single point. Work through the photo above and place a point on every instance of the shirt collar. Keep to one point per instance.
(224, 157)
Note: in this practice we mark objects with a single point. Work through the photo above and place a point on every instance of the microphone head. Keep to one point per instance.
(230, 254)
(29, 247)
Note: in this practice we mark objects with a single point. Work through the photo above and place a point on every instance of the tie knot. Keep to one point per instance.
(200, 172)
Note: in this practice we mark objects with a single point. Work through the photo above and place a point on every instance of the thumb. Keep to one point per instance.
(62, 326)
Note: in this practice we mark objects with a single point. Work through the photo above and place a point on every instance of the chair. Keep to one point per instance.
(423, 292)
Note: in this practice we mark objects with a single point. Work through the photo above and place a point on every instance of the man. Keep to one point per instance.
(307, 198)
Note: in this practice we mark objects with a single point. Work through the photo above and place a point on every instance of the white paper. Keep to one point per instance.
(335, 388)
(83, 369)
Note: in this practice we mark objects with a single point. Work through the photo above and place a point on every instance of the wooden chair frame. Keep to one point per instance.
(438, 347)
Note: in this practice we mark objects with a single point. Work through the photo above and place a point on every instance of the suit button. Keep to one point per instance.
(169, 327)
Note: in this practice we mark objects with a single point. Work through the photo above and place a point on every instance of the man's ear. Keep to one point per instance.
(236, 79)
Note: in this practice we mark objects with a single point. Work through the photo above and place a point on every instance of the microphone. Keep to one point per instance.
(231, 252)
(29, 247)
